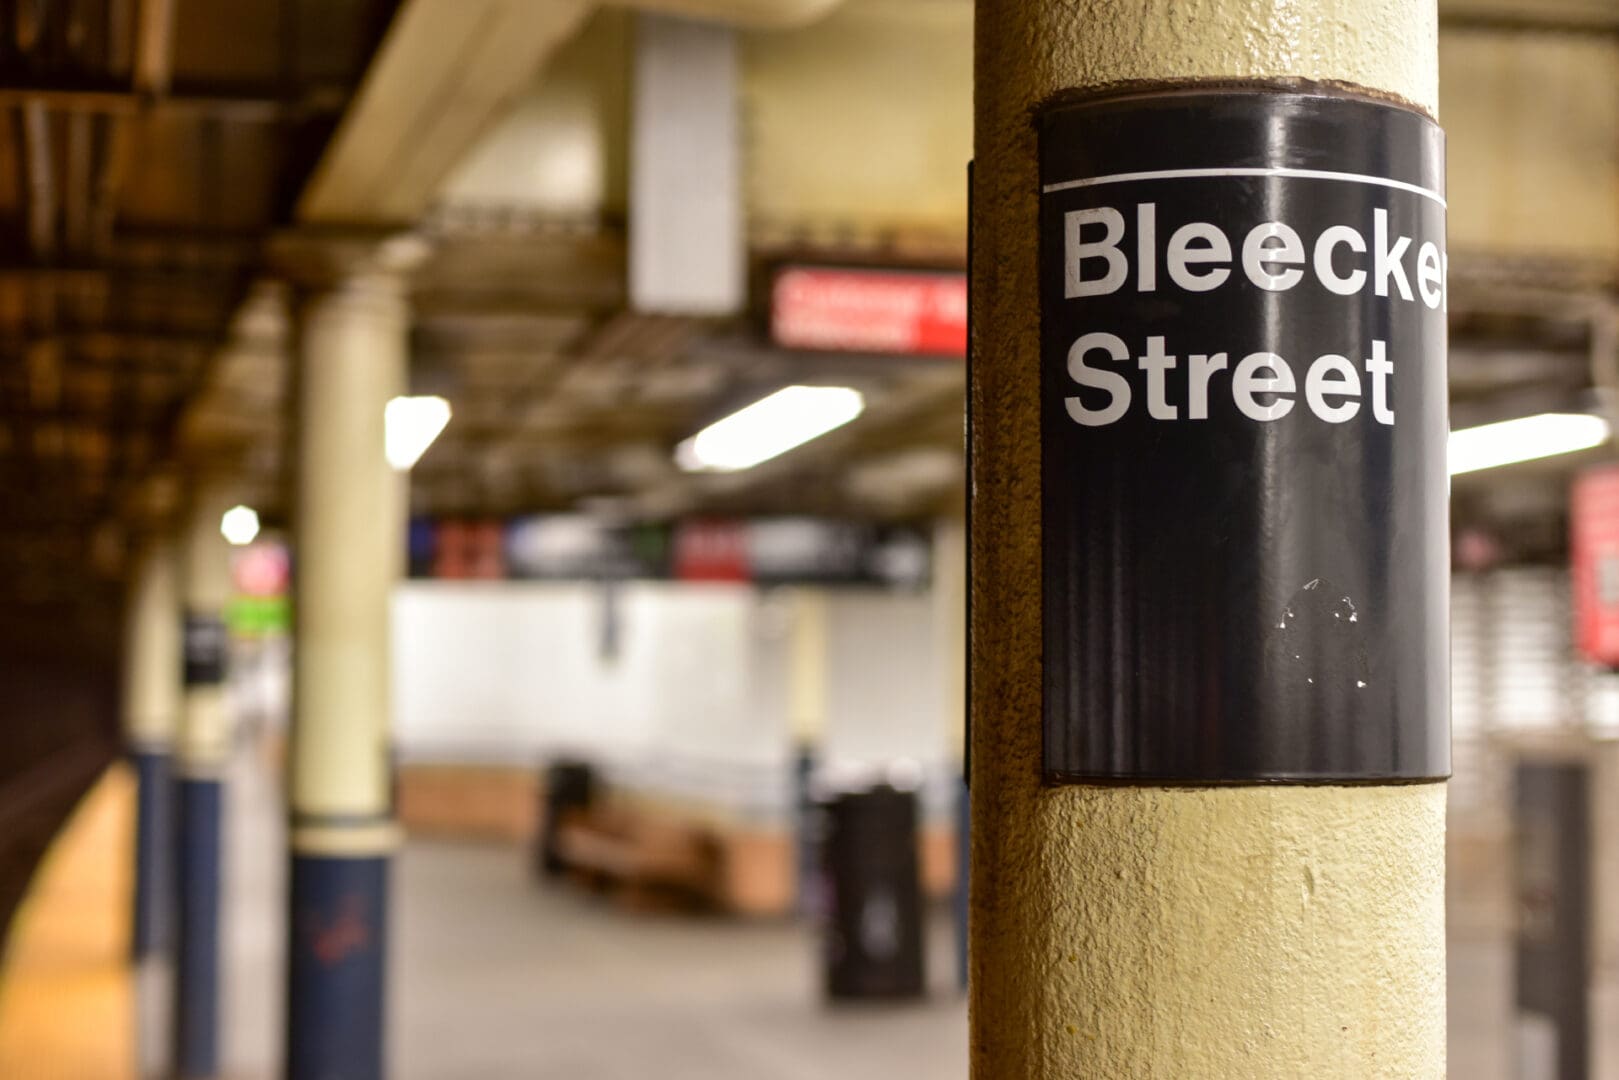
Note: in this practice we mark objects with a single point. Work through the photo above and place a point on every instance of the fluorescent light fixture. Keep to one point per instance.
(412, 424)
(770, 426)
(1524, 439)
(239, 525)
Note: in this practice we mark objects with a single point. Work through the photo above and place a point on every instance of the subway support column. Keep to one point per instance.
(1209, 575)
(152, 696)
(203, 752)
(350, 522)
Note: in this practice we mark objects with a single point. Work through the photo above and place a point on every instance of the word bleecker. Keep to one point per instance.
(1273, 257)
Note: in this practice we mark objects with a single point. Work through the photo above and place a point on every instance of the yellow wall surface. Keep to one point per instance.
(862, 121)
(1532, 121)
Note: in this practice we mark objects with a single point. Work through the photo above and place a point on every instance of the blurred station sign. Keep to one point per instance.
(1594, 551)
(711, 549)
(761, 551)
(801, 550)
(469, 550)
(582, 548)
(261, 580)
(899, 312)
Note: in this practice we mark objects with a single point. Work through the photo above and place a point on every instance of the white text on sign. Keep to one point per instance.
(1198, 257)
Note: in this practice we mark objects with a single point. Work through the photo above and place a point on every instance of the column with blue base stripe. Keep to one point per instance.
(152, 925)
(151, 715)
(196, 1014)
(337, 964)
(203, 748)
(350, 536)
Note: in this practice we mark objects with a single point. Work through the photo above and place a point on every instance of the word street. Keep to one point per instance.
(1262, 385)
(1199, 257)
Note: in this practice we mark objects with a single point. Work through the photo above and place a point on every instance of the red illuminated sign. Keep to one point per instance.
(1594, 550)
(470, 550)
(873, 311)
(262, 570)
(713, 549)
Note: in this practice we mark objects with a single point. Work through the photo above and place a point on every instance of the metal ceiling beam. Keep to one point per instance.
(247, 108)
(148, 45)
(98, 337)
(41, 176)
(154, 46)
(763, 14)
(204, 279)
(78, 186)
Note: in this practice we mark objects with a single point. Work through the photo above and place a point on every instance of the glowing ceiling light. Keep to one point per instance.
(1524, 439)
(770, 426)
(239, 525)
(412, 423)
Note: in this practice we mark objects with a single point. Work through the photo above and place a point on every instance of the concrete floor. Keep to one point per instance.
(500, 977)
(496, 977)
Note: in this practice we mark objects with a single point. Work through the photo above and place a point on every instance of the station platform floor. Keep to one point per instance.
(66, 992)
(494, 976)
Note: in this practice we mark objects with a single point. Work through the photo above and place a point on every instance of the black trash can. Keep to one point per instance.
(810, 824)
(874, 917)
(570, 786)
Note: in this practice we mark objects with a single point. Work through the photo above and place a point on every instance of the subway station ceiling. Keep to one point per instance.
(146, 147)
(157, 154)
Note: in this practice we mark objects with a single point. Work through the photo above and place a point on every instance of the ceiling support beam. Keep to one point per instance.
(78, 185)
(154, 46)
(36, 135)
(762, 14)
(442, 74)
(127, 103)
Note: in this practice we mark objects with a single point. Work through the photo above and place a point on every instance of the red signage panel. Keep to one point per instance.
(873, 311)
(711, 549)
(470, 550)
(1594, 550)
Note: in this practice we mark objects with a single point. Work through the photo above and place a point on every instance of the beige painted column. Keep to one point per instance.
(152, 651)
(152, 701)
(349, 527)
(950, 639)
(1207, 933)
(205, 730)
(203, 750)
(806, 669)
(950, 628)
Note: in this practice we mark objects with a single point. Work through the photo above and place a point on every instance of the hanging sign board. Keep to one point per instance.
(918, 313)
(1243, 424)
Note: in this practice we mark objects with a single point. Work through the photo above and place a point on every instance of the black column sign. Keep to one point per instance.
(1243, 423)
(206, 649)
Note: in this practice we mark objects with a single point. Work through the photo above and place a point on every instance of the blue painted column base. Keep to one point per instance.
(196, 973)
(336, 972)
(153, 921)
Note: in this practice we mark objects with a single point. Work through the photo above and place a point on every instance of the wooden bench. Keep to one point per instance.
(645, 862)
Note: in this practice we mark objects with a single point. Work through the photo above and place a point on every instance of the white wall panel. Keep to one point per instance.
(694, 700)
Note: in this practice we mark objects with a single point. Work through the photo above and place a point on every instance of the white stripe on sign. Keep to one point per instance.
(1302, 174)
